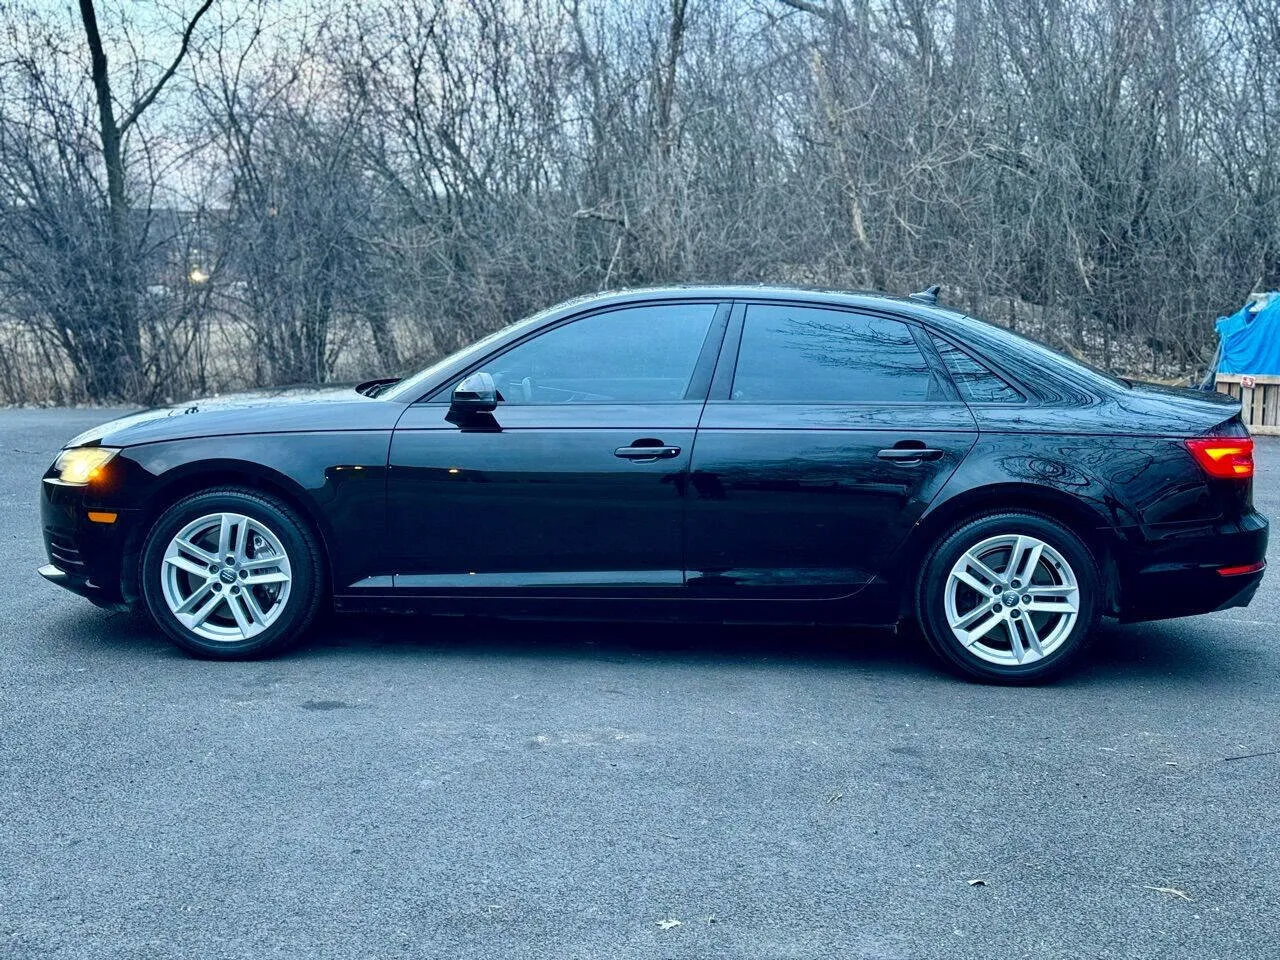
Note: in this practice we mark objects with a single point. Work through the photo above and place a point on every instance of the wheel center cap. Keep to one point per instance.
(1010, 599)
(227, 576)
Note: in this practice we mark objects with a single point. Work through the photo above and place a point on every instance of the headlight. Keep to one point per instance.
(79, 465)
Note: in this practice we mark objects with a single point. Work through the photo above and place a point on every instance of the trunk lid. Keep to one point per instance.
(1183, 411)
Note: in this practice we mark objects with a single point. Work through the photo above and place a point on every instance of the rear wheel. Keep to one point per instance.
(1010, 597)
(231, 573)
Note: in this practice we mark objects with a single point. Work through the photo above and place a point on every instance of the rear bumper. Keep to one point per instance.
(1176, 573)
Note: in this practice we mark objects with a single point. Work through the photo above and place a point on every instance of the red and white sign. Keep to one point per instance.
(1249, 382)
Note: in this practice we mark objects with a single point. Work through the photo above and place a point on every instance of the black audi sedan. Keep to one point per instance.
(700, 454)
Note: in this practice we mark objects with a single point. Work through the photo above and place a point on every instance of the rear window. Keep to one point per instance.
(1037, 351)
(792, 354)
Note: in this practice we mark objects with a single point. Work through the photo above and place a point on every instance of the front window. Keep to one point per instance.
(641, 354)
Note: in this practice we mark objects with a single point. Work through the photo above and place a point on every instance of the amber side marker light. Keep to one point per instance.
(102, 516)
(1242, 569)
(1227, 457)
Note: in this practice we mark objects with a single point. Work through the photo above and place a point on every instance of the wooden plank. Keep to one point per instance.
(1235, 378)
(1271, 405)
(1266, 430)
(1246, 406)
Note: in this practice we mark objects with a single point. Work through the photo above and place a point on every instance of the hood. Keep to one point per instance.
(282, 410)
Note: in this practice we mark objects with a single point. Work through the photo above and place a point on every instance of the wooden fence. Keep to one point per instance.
(1259, 400)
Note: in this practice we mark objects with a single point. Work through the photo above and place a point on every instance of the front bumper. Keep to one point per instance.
(81, 585)
(84, 557)
(1175, 573)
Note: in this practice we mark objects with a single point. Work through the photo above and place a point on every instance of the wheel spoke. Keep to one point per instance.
(269, 576)
(204, 590)
(967, 578)
(1032, 637)
(206, 600)
(967, 620)
(1050, 606)
(238, 611)
(1059, 598)
(1016, 646)
(255, 609)
(226, 532)
(247, 534)
(262, 563)
(972, 562)
(978, 629)
(1051, 590)
(200, 570)
(1024, 558)
(200, 553)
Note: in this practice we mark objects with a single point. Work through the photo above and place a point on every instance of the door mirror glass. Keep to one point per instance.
(475, 394)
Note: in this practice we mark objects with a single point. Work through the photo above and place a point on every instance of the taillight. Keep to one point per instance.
(1230, 457)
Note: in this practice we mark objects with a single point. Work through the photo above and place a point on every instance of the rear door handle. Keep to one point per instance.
(647, 453)
(909, 454)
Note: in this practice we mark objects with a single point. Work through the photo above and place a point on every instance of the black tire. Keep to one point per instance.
(306, 572)
(974, 661)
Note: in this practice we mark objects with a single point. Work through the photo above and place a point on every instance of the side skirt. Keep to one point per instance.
(865, 613)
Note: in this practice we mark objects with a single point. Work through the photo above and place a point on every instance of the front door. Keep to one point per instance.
(816, 453)
(574, 485)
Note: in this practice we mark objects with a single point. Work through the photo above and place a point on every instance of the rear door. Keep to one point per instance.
(826, 434)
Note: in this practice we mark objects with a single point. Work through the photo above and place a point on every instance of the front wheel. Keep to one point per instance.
(230, 574)
(1009, 598)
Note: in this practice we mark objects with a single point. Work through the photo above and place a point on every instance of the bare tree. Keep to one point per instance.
(122, 371)
(79, 246)
(383, 182)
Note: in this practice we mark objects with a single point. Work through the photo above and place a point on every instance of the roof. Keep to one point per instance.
(866, 299)
(412, 387)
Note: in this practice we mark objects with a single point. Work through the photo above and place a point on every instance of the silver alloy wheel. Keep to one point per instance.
(226, 577)
(1012, 599)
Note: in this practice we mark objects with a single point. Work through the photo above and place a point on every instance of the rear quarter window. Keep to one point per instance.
(976, 383)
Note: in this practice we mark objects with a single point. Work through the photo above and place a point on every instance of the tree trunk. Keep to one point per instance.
(119, 362)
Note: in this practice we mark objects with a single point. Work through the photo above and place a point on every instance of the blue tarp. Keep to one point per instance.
(1250, 342)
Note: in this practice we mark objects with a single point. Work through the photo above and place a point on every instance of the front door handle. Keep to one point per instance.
(909, 454)
(647, 453)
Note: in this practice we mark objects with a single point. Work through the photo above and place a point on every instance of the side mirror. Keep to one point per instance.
(475, 394)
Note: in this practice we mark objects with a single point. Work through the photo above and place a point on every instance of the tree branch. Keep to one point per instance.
(818, 10)
(146, 101)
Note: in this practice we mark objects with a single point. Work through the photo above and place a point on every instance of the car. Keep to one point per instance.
(697, 454)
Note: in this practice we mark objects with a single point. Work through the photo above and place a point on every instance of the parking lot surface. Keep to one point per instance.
(458, 789)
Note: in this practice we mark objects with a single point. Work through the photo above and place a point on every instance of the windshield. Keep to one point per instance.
(414, 386)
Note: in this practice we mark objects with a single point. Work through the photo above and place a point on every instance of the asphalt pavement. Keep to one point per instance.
(460, 789)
